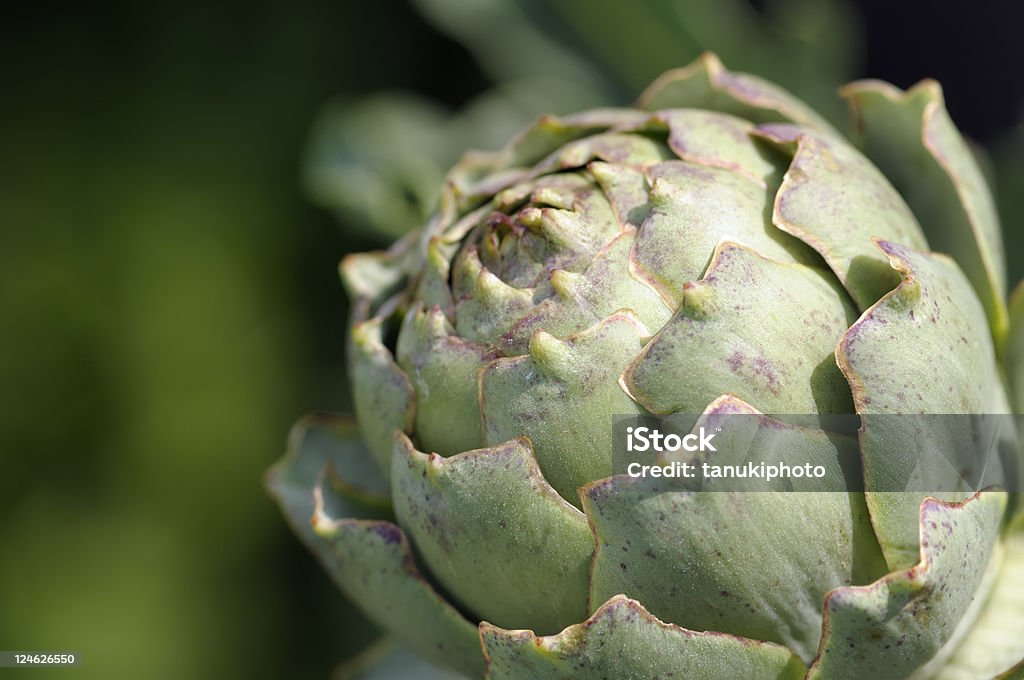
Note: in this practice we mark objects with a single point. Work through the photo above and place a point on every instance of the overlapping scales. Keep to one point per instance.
(724, 251)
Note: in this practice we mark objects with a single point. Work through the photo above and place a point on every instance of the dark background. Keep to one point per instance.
(169, 303)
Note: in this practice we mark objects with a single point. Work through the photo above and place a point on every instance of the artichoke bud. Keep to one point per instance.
(719, 251)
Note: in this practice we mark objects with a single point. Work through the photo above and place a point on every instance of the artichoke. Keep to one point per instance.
(719, 249)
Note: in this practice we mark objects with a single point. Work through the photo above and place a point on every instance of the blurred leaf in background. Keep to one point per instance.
(170, 305)
(1008, 161)
(379, 162)
(976, 53)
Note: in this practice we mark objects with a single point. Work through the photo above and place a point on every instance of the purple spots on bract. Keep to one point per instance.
(763, 367)
(389, 533)
(735, 361)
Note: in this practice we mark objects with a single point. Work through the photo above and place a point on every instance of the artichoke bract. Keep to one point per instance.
(719, 249)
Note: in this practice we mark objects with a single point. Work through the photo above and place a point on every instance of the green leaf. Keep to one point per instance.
(334, 497)
(807, 45)
(378, 161)
(373, 277)
(443, 369)
(897, 624)
(494, 533)
(582, 300)
(707, 84)
(718, 140)
(372, 562)
(995, 641)
(746, 434)
(486, 305)
(752, 564)
(549, 133)
(757, 328)
(693, 207)
(622, 640)
(523, 48)
(911, 138)
(929, 331)
(614, 147)
(323, 445)
(1015, 348)
(561, 396)
(384, 398)
(1007, 155)
(861, 205)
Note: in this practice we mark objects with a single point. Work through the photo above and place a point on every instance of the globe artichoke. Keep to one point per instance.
(719, 249)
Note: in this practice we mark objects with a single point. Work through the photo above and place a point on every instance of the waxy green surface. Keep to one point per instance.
(522, 560)
(622, 640)
(911, 139)
(723, 251)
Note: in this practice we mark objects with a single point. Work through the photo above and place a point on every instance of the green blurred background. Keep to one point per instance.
(169, 303)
